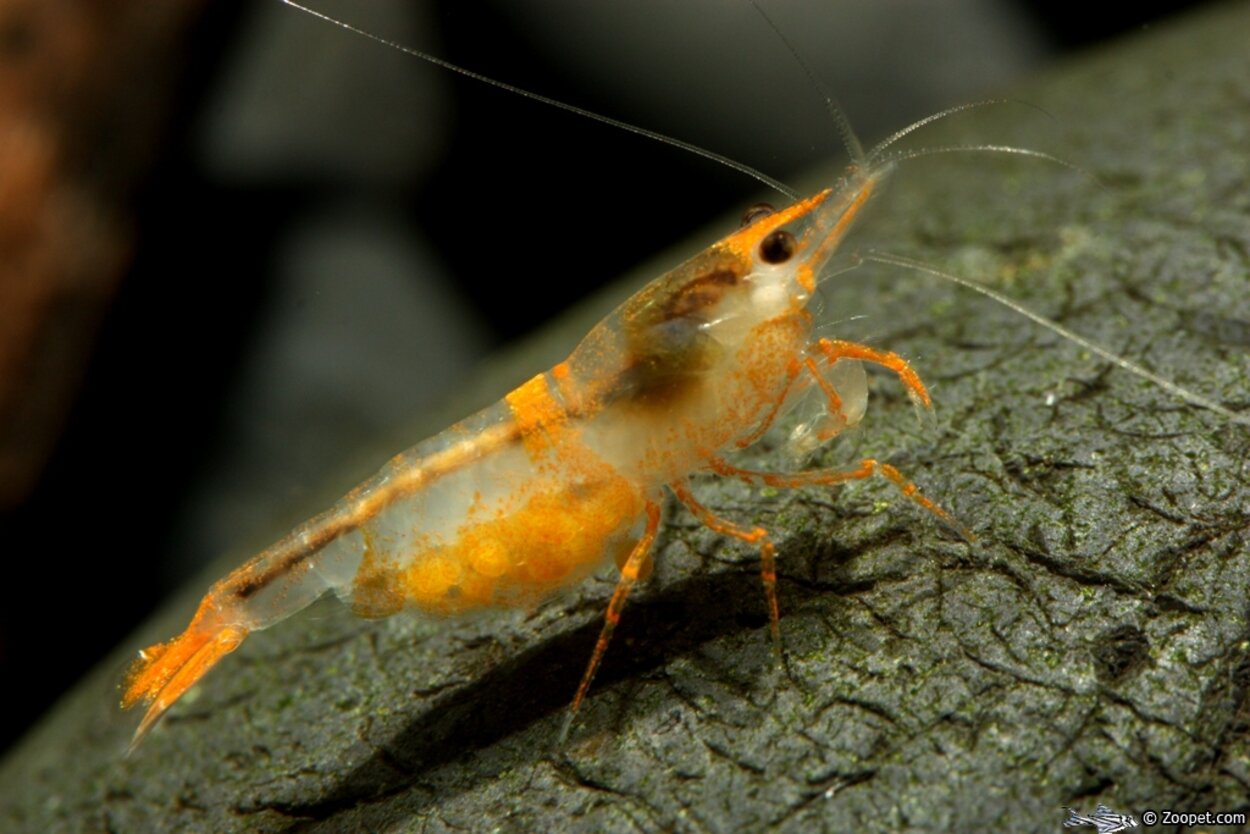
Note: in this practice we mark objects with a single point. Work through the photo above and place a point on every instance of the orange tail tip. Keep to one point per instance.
(160, 675)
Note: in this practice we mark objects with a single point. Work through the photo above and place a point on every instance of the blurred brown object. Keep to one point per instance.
(84, 89)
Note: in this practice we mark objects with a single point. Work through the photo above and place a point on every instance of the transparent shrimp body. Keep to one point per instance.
(565, 473)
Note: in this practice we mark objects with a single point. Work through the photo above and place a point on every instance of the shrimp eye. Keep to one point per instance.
(778, 247)
(755, 212)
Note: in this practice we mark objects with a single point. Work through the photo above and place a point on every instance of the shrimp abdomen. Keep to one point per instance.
(506, 529)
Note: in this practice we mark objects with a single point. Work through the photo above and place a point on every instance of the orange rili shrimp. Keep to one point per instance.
(567, 472)
(536, 491)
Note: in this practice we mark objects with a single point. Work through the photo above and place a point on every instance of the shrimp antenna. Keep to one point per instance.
(878, 155)
(732, 164)
(903, 156)
(850, 140)
(1179, 391)
(930, 119)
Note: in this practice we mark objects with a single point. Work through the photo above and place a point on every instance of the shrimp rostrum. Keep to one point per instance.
(567, 472)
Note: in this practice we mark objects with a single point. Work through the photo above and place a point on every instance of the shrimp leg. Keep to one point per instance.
(829, 477)
(835, 367)
(831, 350)
(755, 535)
(759, 536)
(631, 571)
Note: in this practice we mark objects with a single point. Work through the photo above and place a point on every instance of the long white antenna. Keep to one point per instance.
(836, 114)
(1180, 391)
(759, 176)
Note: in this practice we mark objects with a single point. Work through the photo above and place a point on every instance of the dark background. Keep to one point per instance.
(334, 233)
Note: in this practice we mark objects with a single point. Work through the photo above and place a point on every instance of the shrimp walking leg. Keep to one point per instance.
(829, 477)
(754, 535)
(831, 350)
(631, 571)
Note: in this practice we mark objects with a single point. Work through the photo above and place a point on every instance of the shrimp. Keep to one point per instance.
(567, 473)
